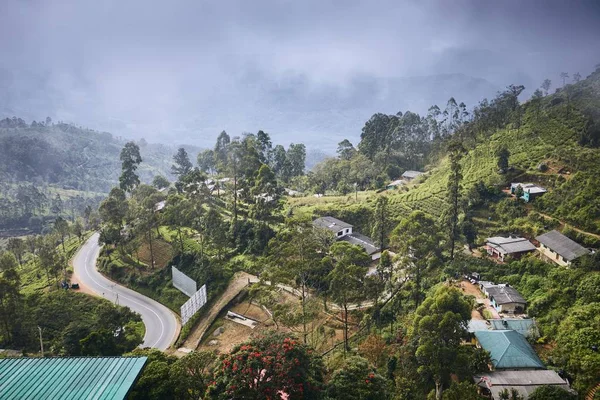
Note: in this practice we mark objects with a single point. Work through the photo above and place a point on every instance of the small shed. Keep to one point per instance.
(394, 184)
(556, 247)
(410, 175)
(530, 190)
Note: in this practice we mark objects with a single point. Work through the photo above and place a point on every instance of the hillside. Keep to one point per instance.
(60, 169)
(70, 157)
(548, 136)
(545, 149)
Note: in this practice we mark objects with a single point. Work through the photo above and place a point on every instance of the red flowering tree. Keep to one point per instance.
(271, 367)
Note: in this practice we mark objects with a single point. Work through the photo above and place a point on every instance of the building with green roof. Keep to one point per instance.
(509, 350)
(65, 378)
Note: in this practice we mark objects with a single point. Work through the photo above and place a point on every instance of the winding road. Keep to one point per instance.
(161, 323)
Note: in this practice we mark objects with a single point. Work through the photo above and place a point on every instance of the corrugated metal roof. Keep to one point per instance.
(333, 224)
(363, 241)
(504, 294)
(529, 187)
(477, 325)
(525, 382)
(510, 245)
(562, 245)
(98, 378)
(412, 174)
(524, 326)
(508, 349)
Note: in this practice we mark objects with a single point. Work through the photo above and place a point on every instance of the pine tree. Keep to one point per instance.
(130, 160)
(456, 152)
(183, 165)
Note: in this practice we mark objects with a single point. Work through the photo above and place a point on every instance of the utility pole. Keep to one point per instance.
(41, 341)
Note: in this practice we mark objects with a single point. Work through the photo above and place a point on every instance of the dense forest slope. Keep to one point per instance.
(49, 170)
(70, 156)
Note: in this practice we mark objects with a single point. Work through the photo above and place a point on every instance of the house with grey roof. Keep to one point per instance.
(343, 231)
(556, 247)
(492, 384)
(502, 248)
(365, 242)
(505, 298)
(334, 225)
(410, 175)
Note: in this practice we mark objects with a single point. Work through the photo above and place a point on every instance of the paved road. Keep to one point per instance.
(161, 324)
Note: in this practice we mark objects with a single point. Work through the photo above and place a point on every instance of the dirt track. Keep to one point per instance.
(239, 282)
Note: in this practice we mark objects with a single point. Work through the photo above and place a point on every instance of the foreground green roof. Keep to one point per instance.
(509, 349)
(99, 378)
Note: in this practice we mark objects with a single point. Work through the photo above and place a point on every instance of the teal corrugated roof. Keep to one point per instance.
(508, 349)
(98, 378)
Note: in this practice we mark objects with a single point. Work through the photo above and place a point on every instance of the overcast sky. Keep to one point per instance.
(184, 70)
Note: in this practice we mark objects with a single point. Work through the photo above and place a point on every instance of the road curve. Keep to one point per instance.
(161, 323)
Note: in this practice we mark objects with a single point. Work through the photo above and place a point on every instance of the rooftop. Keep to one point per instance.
(412, 174)
(529, 187)
(523, 326)
(102, 378)
(477, 325)
(160, 205)
(510, 245)
(333, 224)
(397, 182)
(362, 241)
(525, 382)
(508, 349)
(562, 245)
(504, 294)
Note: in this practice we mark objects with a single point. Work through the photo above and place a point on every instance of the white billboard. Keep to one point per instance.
(195, 303)
(183, 282)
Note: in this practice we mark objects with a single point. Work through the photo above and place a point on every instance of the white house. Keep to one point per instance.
(339, 228)
(343, 231)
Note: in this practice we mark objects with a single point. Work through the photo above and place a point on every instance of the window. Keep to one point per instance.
(340, 233)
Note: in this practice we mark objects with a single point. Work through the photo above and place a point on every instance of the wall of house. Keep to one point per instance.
(343, 232)
(511, 308)
(550, 255)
